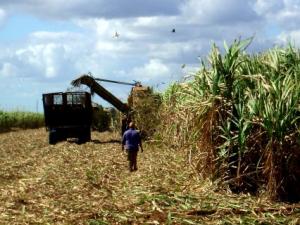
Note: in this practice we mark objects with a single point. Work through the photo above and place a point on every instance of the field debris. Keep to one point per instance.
(89, 184)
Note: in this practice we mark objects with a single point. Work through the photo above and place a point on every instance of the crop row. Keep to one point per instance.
(19, 119)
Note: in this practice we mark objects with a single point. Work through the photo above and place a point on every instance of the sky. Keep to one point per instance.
(45, 44)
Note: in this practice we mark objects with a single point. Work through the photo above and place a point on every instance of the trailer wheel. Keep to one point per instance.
(88, 134)
(85, 136)
(52, 138)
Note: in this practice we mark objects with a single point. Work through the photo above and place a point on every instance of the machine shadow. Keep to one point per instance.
(105, 142)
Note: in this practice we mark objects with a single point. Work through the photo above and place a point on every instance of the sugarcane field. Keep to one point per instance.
(220, 147)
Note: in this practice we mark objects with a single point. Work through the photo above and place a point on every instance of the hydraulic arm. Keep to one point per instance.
(101, 91)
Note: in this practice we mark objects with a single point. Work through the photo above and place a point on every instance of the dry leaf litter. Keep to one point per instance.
(89, 184)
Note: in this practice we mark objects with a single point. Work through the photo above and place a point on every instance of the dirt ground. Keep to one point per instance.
(90, 184)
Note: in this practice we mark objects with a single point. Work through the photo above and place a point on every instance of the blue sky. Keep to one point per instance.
(19, 26)
(45, 44)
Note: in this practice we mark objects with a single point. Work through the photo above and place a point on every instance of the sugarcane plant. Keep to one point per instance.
(238, 119)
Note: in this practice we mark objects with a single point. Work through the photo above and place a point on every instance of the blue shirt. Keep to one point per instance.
(131, 139)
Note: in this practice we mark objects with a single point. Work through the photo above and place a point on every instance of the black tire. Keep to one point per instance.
(88, 134)
(52, 138)
(85, 136)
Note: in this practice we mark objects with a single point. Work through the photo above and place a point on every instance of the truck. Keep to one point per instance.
(68, 115)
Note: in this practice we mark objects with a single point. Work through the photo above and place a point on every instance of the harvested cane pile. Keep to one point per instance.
(239, 118)
(145, 106)
(89, 184)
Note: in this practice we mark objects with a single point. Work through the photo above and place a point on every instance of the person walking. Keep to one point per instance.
(132, 141)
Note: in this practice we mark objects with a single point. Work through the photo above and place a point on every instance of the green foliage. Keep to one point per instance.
(19, 119)
(101, 118)
(241, 112)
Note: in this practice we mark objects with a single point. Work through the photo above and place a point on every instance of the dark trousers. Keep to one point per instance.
(132, 156)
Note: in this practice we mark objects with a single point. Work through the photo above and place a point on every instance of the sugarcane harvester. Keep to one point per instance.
(70, 114)
(95, 87)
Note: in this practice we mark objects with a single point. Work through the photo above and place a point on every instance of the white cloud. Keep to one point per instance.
(289, 18)
(57, 56)
(52, 36)
(219, 11)
(145, 43)
(145, 49)
(2, 16)
(153, 71)
(292, 36)
(8, 70)
(264, 7)
(41, 60)
(58, 9)
(286, 13)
